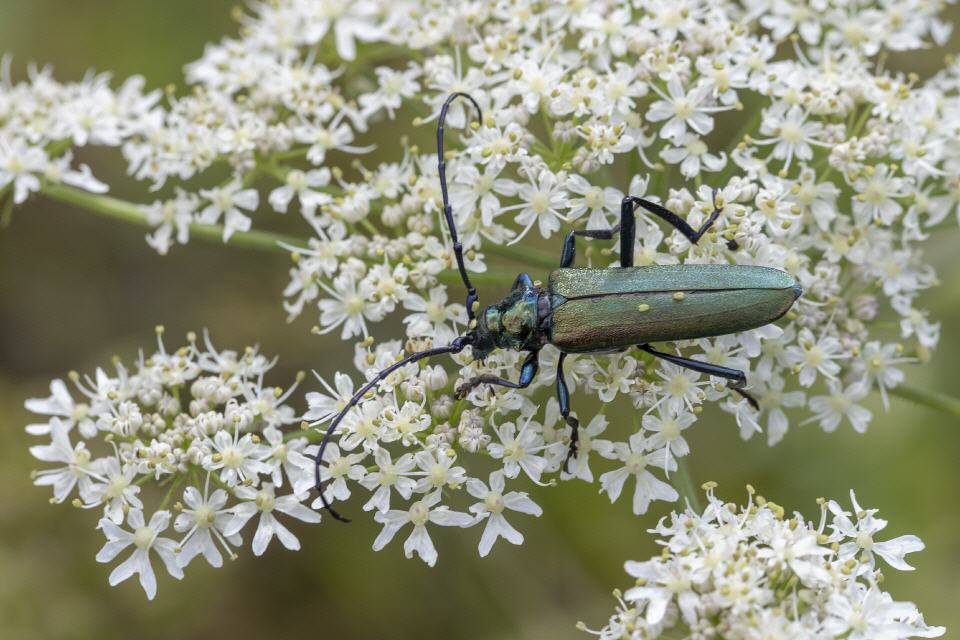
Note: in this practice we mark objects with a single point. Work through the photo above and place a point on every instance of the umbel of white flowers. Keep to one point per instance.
(195, 436)
(195, 433)
(838, 171)
(751, 572)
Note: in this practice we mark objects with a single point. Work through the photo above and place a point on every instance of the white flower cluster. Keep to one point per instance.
(837, 172)
(751, 573)
(828, 165)
(194, 432)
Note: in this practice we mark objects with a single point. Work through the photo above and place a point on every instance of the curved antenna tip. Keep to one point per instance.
(461, 94)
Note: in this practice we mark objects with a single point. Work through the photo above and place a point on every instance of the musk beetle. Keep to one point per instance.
(602, 310)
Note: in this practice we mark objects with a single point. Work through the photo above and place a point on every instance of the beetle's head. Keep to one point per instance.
(508, 324)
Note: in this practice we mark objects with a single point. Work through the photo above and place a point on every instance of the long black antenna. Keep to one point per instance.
(456, 346)
(447, 211)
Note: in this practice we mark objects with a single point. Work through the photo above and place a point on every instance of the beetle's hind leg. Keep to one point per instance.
(739, 378)
(681, 225)
(563, 397)
(527, 373)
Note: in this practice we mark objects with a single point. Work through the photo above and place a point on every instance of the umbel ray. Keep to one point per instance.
(601, 310)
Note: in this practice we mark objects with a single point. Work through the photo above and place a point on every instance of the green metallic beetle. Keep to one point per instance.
(603, 310)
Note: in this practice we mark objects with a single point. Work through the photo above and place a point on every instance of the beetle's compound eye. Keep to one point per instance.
(514, 321)
(488, 327)
(492, 319)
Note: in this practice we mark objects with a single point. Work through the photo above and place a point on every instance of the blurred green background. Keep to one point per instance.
(76, 289)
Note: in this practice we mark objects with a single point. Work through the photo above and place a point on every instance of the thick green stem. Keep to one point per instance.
(683, 482)
(131, 213)
(931, 399)
(258, 240)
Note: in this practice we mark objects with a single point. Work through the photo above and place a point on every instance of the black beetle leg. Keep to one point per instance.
(738, 377)
(681, 225)
(563, 397)
(527, 373)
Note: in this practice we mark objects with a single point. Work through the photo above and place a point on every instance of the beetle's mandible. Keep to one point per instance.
(602, 310)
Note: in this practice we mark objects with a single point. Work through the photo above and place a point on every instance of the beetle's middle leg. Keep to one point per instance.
(527, 373)
(563, 397)
(738, 377)
(627, 228)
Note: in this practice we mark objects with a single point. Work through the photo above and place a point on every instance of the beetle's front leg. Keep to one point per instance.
(563, 397)
(527, 373)
(739, 378)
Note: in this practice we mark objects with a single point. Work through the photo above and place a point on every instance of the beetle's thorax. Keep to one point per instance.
(516, 322)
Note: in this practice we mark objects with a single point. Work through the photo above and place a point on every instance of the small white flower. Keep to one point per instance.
(264, 501)
(841, 403)
(858, 536)
(493, 502)
(519, 451)
(636, 457)
(682, 108)
(61, 404)
(418, 514)
(812, 356)
(543, 198)
(238, 457)
(350, 304)
(117, 491)
(433, 317)
(338, 470)
(146, 538)
(77, 462)
(389, 476)
(203, 519)
(19, 165)
(304, 185)
(228, 202)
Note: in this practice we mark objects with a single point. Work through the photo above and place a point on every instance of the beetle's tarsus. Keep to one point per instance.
(738, 386)
(485, 378)
(464, 389)
(574, 442)
(748, 397)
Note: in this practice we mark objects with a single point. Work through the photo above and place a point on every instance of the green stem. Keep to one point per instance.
(173, 487)
(931, 399)
(130, 213)
(258, 240)
(6, 208)
(747, 126)
(312, 435)
(683, 482)
(861, 121)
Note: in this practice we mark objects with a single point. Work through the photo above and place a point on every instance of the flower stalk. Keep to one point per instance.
(930, 399)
